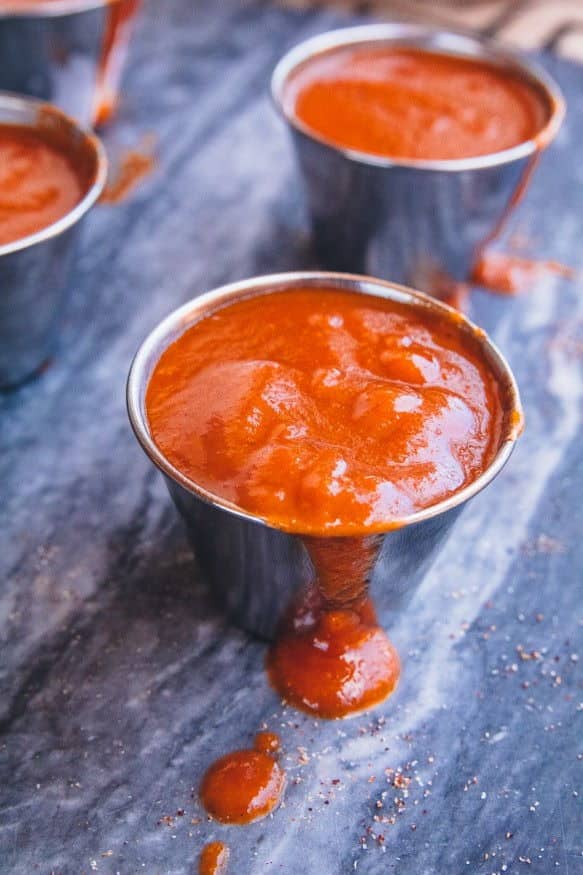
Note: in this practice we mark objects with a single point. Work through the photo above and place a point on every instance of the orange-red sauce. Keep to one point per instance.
(115, 42)
(413, 104)
(244, 785)
(331, 657)
(509, 274)
(132, 167)
(326, 412)
(267, 742)
(38, 182)
(214, 859)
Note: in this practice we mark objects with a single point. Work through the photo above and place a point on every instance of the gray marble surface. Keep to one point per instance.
(119, 682)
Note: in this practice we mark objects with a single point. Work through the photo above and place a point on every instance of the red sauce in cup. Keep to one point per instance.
(408, 103)
(39, 183)
(326, 412)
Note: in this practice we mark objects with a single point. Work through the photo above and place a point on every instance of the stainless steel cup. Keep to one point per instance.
(252, 567)
(67, 52)
(410, 221)
(34, 270)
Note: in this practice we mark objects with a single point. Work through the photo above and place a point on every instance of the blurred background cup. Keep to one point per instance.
(34, 270)
(416, 222)
(253, 568)
(68, 52)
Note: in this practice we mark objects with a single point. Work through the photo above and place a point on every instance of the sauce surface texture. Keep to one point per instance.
(244, 785)
(38, 183)
(326, 411)
(413, 104)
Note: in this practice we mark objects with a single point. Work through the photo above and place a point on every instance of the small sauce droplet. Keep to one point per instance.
(509, 274)
(267, 742)
(242, 786)
(214, 859)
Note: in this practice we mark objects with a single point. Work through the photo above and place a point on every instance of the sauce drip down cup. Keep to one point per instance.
(253, 568)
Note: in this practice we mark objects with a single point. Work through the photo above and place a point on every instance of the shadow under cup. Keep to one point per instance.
(417, 222)
(254, 569)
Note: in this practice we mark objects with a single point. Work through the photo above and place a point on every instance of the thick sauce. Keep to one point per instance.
(326, 412)
(38, 183)
(413, 104)
(245, 785)
(331, 657)
(214, 859)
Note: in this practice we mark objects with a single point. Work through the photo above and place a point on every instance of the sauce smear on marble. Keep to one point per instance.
(412, 104)
(244, 785)
(130, 168)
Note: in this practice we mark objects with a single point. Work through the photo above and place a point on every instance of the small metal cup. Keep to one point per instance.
(34, 270)
(67, 52)
(252, 567)
(411, 221)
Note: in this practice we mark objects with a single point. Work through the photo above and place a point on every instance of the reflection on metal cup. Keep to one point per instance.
(252, 568)
(418, 222)
(67, 52)
(34, 270)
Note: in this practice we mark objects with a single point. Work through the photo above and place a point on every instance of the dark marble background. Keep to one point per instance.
(119, 682)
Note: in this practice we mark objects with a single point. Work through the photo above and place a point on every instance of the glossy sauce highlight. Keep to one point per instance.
(244, 785)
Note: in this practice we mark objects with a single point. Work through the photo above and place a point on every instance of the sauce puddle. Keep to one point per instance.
(244, 785)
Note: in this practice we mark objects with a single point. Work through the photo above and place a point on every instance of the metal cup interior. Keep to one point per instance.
(419, 222)
(34, 270)
(253, 567)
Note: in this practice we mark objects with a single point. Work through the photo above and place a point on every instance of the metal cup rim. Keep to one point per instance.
(54, 9)
(432, 39)
(9, 100)
(173, 325)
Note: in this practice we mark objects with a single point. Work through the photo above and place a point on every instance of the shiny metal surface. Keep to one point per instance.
(252, 567)
(34, 270)
(56, 52)
(415, 222)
